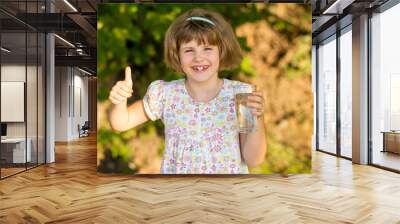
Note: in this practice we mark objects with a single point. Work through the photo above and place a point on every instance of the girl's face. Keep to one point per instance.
(199, 62)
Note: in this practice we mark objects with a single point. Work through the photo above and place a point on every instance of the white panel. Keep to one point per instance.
(12, 101)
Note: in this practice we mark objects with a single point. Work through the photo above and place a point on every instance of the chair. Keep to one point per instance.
(84, 130)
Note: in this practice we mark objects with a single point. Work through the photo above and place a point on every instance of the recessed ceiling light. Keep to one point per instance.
(70, 5)
(337, 7)
(5, 50)
(84, 71)
(64, 40)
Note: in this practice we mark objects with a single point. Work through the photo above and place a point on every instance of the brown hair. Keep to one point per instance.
(215, 31)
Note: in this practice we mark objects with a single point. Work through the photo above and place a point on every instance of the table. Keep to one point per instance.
(16, 148)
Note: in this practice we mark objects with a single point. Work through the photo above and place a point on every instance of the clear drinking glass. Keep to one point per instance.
(247, 121)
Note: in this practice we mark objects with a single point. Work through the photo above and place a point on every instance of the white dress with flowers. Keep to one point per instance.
(200, 137)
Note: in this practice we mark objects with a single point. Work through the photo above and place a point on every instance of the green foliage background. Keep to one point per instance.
(133, 34)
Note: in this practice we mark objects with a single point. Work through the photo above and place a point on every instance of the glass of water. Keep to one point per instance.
(247, 121)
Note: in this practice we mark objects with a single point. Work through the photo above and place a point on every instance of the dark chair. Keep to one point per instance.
(84, 130)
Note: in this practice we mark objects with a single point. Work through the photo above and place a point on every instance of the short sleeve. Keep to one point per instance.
(153, 100)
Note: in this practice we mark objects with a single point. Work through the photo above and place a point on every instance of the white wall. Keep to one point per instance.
(61, 103)
(71, 102)
(13, 73)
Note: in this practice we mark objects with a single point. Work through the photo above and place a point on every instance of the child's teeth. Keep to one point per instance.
(200, 68)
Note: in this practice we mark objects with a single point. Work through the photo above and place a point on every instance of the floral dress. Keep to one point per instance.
(200, 137)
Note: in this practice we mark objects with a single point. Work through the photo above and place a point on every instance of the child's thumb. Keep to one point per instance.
(128, 75)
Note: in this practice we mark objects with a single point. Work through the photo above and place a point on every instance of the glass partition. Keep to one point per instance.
(346, 92)
(22, 90)
(31, 97)
(385, 89)
(327, 95)
(13, 93)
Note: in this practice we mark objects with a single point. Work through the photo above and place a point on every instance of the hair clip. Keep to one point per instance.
(198, 18)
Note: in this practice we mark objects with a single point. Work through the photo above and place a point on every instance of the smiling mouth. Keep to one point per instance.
(200, 68)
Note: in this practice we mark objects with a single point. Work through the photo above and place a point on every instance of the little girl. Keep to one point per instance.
(201, 128)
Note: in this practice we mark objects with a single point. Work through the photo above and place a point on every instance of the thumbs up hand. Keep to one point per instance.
(122, 90)
(128, 76)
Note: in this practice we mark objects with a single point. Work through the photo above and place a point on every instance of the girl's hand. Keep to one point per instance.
(122, 90)
(255, 101)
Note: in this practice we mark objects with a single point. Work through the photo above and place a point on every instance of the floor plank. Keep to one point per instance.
(70, 191)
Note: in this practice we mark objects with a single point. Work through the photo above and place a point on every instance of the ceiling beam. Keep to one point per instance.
(86, 26)
(81, 61)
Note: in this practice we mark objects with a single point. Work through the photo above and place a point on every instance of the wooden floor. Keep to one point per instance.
(387, 159)
(10, 171)
(70, 191)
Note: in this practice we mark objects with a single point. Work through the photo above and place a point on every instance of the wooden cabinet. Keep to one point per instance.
(391, 142)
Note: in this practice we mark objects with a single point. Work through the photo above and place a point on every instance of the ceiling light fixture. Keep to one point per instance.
(64, 40)
(5, 50)
(70, 5)
(337, 7)
(80, 51)
(86, 72)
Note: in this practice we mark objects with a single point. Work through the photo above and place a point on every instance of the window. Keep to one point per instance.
(385, 87)
(327, 95)
(346, 92)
